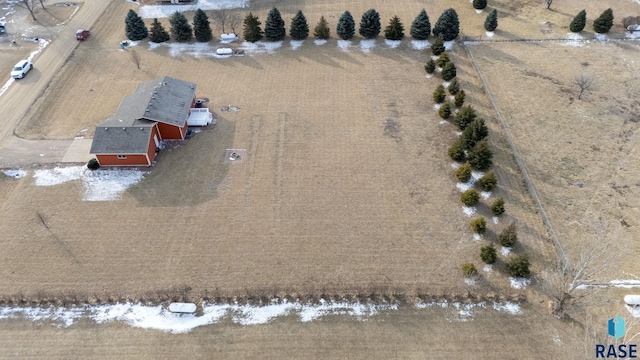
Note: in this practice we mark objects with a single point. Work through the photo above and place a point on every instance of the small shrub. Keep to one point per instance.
(488, 181)
(508, 236)
(459, 98)
(439, 95)
(454, 87)
(93, 164)
(445, 111)
(438, 46)
(443, 59)
(456, 151)
(469, 270)
(463, 173)
(430, 66)
(518, 266)
(488, 254)
(449, 71)
(497, 207)
(479, 225)
(470, 197)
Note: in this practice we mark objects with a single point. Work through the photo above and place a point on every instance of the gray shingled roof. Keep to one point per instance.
(164, 99)
(121, 140)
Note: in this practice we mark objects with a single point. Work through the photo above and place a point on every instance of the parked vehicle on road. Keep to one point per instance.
(21, 69)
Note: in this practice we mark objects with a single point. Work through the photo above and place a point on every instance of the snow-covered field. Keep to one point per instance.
(161, 11)
(159, 318)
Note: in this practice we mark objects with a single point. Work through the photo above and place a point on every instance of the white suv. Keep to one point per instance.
(21, 69)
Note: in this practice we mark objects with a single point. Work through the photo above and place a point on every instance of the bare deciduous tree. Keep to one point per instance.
(234, 21)
(585, 82)
(549, 2)
(577, 278)
(30, 5)
(42, 4)
(135, 57)
(221, 16)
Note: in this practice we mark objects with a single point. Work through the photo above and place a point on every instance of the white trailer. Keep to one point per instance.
(200, 117)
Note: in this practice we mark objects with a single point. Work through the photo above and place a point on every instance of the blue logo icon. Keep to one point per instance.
(616, 327)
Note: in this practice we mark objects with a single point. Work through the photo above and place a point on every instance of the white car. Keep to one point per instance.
(21, 69)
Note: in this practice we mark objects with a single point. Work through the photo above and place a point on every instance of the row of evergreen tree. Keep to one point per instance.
(601, 25)
(180, 30)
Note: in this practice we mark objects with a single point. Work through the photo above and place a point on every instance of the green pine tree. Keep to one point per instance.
(479, 225)
(465, 116)
(421, 27)
(430, 66)
(180, 28)
(201, 26)
(395, 30)
(491, 23)
(448, 25)
(370, 24)
(299, 28)
(322, 30)
(519, 266)
(134, 27)
(252, 30)
(476, 131)
(488, 254)
(463, 172)
(488, 181)
(346, 26)
(158, 34)
(453, 87)
(497, 207)
(459, 98)
(445, 111)
(274, 26)
(578, 23)
(481, 156)
(479, 4)
(443, 59)
(604, 22)
(439, 95)
(438, 46)
(456, 151)
(449, 71)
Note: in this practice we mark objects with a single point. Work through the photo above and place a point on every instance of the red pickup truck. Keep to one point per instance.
(82, 34)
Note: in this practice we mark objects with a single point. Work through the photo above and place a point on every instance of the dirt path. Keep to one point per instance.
(22, 94)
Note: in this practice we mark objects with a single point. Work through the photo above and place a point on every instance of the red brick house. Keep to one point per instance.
(158, 110)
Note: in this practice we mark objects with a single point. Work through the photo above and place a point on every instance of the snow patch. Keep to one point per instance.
(601, 37)
(319, 41)
(437, 106)
(454, 165)
(488, 268)
(344, 44)
(446, 84)
(443, 122)
(575, 40)
(17, 174)
(635, 34)
(295, 44)
(261, 46)
(625, 283)
(519, 283)
(469, 210)
(392, 43)
(485, 194)
(511, 308)
(470, 281)
(479, 11)
(495, 219)
(164, 11)
(434, 58)
(448, 45)
(367, 45)
(477, 237)
(99, 185)
(505, 251)
(429, 76)
(489, 33)
(633, 310)
(420, 44)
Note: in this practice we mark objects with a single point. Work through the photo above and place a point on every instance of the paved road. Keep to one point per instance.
(22, 94)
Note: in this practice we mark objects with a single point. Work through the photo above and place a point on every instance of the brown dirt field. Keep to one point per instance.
(581, 153)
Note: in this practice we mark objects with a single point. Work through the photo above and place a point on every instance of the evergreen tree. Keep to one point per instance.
(322, 30)
(449, 71)
(421, 27)
(439, 95)
(158, 34)
(479, 225)
(252, 31)
(438, 46)
(509, 235)
(459, 98)
(604, 22)
(469, 270)
(445, 111)
(463, 173)
(453, 87)
(134, 27)
(395, 30)
(480, 157)
(470, 197)
(299, 27)
(180, 28)
(488, 254)
(479, 4)
(491, 23)
(346, 26)
(201, 26)
(497, 207)
(488, 181)
(274, 26)
(465, 116)
(519, 266)
(370, 24)
(443, 59)
(578, 23)
(430, 66)
(475, 132)
(448, 25)
(456, 151)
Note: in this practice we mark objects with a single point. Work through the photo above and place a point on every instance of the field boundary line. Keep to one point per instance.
(516, 155)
